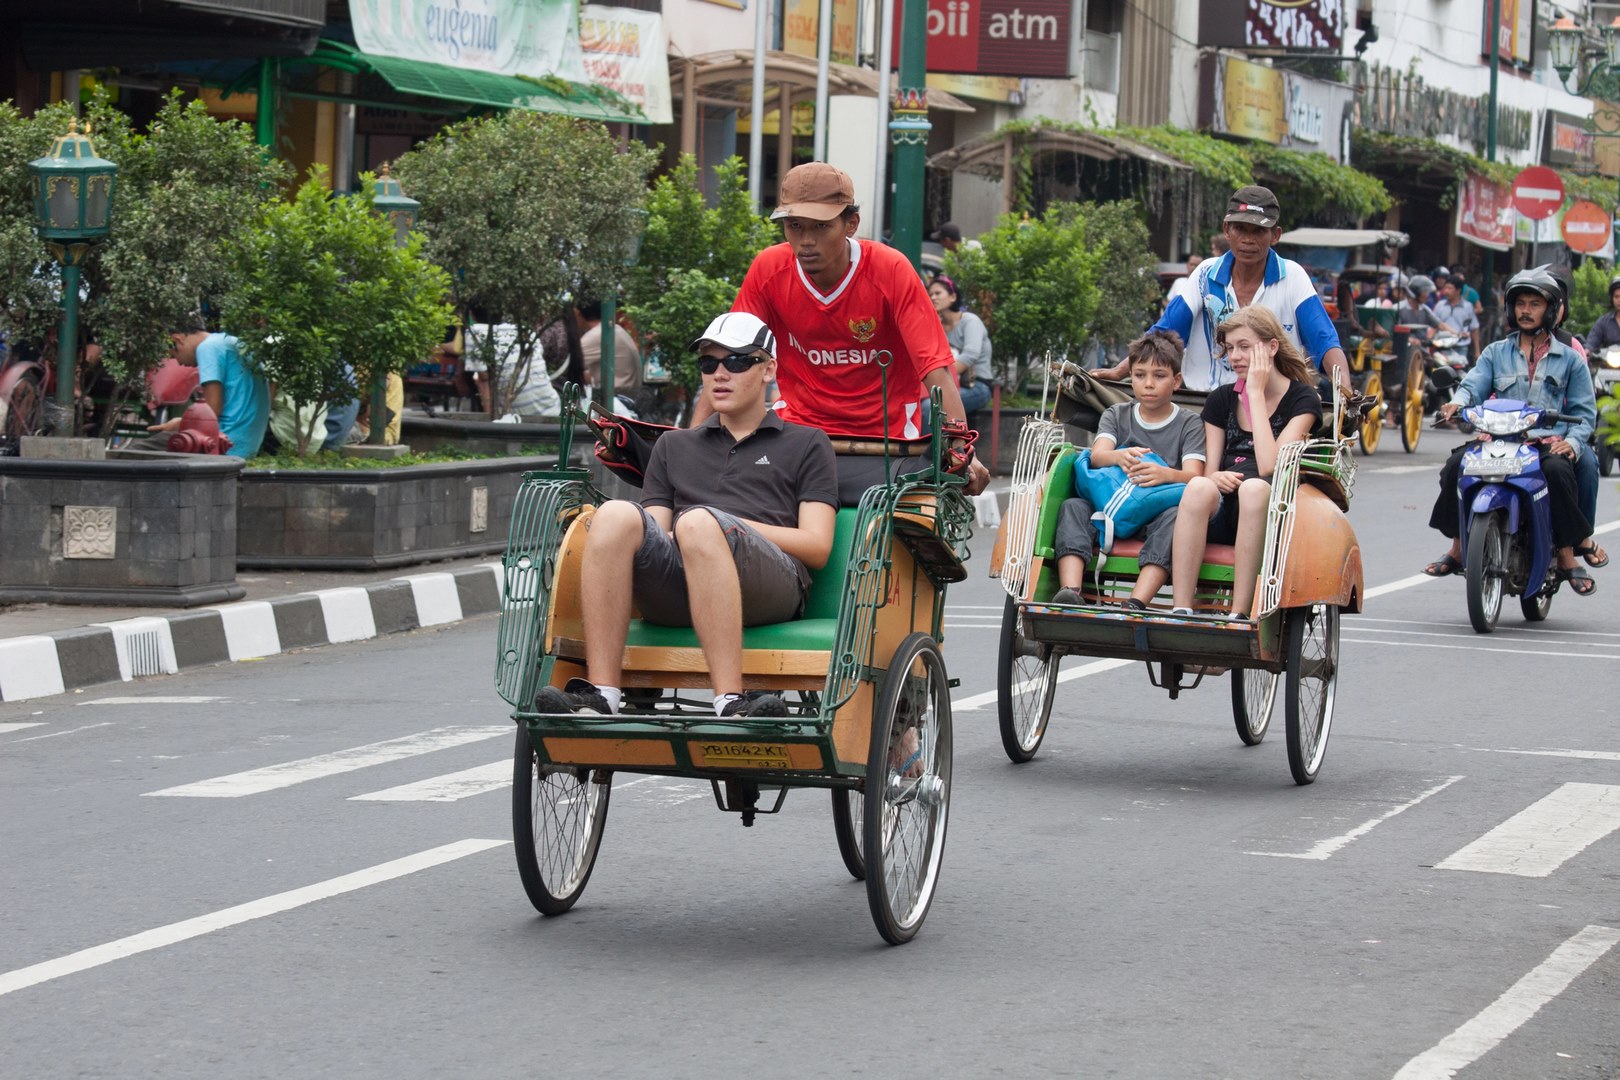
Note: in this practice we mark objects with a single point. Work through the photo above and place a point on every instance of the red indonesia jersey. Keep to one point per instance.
(827, 345)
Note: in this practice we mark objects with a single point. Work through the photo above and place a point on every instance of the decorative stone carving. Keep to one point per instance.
(480, 510)
(89, 532)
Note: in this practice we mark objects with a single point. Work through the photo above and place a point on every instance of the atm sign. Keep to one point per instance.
(995, 37)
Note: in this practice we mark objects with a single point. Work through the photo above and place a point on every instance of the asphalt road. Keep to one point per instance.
(301, 867)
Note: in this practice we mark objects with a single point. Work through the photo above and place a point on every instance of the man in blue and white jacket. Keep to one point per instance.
(1250, 273)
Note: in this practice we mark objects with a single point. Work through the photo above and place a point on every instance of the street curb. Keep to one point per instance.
(42, 665)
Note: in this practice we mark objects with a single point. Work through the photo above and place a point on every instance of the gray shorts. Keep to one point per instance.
(774, 583)
(1076, 535)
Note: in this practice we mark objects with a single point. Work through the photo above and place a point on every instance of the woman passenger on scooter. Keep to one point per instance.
(1529, 364)
(1272, 403)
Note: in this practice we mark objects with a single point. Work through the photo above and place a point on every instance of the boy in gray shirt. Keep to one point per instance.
(1128, 431)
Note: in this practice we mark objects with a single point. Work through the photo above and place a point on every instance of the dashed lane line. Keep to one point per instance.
(174, 933)
(450, 787)
(1324, 849)
(1482, 648)
(1544, 835)
(1583, 755)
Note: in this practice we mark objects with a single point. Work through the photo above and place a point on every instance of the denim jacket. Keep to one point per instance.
(1563, 382)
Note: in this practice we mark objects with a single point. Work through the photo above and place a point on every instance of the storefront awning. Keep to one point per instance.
(391, 82)
(986, 155)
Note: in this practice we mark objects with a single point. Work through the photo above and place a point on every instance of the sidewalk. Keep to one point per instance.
(50, 649)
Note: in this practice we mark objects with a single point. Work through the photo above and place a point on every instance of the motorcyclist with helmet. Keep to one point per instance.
(1586, 464)
(1606, 331)
(1414, 311)
(1529, 364)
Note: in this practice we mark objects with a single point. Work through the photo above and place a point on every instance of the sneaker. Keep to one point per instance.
(1182, 611)
(1133, 604)
(579, 696)
(1067, 596)
(756, 703)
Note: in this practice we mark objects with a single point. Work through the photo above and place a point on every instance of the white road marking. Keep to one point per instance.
(1463, 633)
(1481, 648)
(1586, 755)
(1397, 586)
(1096, 667)
(447, 788)
(1543, 836)
(58, 734)
(288, 773)
(156, 699)
(1323, 849)
(1509, 1012)
(174, 933)
(1537, 632)
(1396, 470)
(7, 729)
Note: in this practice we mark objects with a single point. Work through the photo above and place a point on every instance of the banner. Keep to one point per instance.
(801, 27)
(1273, 24)
(626, 51)
(1513, 37)
(1027, 38)
(536, 38)
(1485, 214)
(1253, 101)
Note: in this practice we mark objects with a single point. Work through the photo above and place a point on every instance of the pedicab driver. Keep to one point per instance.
(732, 513)
(835, 303)
(1250, 273)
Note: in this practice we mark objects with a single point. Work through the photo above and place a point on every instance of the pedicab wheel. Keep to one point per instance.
(847, 807)
(1254, 692)
(1312, 677)
(1026, 681)
(908, 789)
(1536, 608)
(557, 819)
(1372, 425)
(1412, 413)
(1485, 572)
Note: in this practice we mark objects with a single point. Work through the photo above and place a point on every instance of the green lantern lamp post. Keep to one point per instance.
(72, 190)
(1571, 49)
(607, 373)
(389, 201)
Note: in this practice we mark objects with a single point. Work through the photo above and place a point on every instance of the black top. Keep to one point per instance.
(1220, 409)
(763, 478)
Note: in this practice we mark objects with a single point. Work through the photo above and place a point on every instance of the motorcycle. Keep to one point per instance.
(1505, 513)
(1447, 364)
(1606, 383)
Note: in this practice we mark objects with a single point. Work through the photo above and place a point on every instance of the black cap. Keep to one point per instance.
(1255, 205)
(948, 231)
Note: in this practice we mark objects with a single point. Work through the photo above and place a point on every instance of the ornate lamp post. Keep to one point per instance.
(607, 375)
(1571, 50)
(73, 191)
(908, 129)
(390, 202)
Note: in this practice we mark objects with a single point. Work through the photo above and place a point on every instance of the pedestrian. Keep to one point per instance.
(969, 341)
(239, 396)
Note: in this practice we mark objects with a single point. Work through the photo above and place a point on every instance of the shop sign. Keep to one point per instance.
(1028, 38)
(1485, 213)
(1568, 141)
(1002, 89)
(1515, 18)
(627, 52)
(1587, 227)
(801, 29)
(1253, 101)
(536, 38)
(1400, 103)
(1272, 24)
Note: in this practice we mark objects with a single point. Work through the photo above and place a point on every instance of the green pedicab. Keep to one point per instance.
(871, 723)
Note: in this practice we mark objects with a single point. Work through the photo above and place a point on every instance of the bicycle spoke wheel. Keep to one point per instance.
(557, 819)
(908, 789)
(1026, 682)
(1254, 692)
(1312, 678)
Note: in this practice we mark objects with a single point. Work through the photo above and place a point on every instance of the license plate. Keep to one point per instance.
(1497, 467)
(741, 755)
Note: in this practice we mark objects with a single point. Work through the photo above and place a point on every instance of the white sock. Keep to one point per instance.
(722, 700)
(1181, 611)
(613, 695)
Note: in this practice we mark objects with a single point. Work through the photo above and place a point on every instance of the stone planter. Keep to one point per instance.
(156, 529)
(362, 519)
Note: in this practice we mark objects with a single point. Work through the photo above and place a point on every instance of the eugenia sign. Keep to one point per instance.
(997, 37)
(453, 29)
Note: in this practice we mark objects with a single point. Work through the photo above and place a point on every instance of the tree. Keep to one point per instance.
(1035, 284)
(324, 296)
(187, 189)
(1588, 297)
(526, 211)
(693, 259)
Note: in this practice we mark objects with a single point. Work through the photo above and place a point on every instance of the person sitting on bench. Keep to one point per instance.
(732, 514)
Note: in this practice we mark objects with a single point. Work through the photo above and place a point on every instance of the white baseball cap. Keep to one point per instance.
(740, 332)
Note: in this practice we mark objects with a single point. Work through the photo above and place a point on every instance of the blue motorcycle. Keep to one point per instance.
(1505, 513)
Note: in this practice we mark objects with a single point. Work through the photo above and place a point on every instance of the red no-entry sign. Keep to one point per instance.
(1538, 192)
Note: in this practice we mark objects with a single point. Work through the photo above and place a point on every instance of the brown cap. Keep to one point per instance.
(814, 190)
(1255, 205)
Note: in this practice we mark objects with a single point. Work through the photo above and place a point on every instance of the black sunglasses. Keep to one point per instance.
(736, 362)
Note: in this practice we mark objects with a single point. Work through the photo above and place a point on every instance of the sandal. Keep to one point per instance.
(1444, 566)
(1577, 578)
(1594, 555)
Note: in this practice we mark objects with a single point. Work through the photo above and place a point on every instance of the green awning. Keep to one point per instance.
(419, 85)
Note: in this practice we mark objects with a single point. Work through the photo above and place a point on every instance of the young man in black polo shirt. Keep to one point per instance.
(732, 512)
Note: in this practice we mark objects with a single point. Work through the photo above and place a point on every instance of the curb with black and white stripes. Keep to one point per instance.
(45, 664)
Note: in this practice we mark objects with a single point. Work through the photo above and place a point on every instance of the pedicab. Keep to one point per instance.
(1310, 573)
(1391, 371)
(869, 703)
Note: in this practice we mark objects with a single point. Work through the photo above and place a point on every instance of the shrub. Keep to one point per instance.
(1588, 297)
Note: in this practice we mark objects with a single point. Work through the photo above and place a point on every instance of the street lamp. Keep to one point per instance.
(389, 201)
(606, 373)
(1568, 44)
(73, 191)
